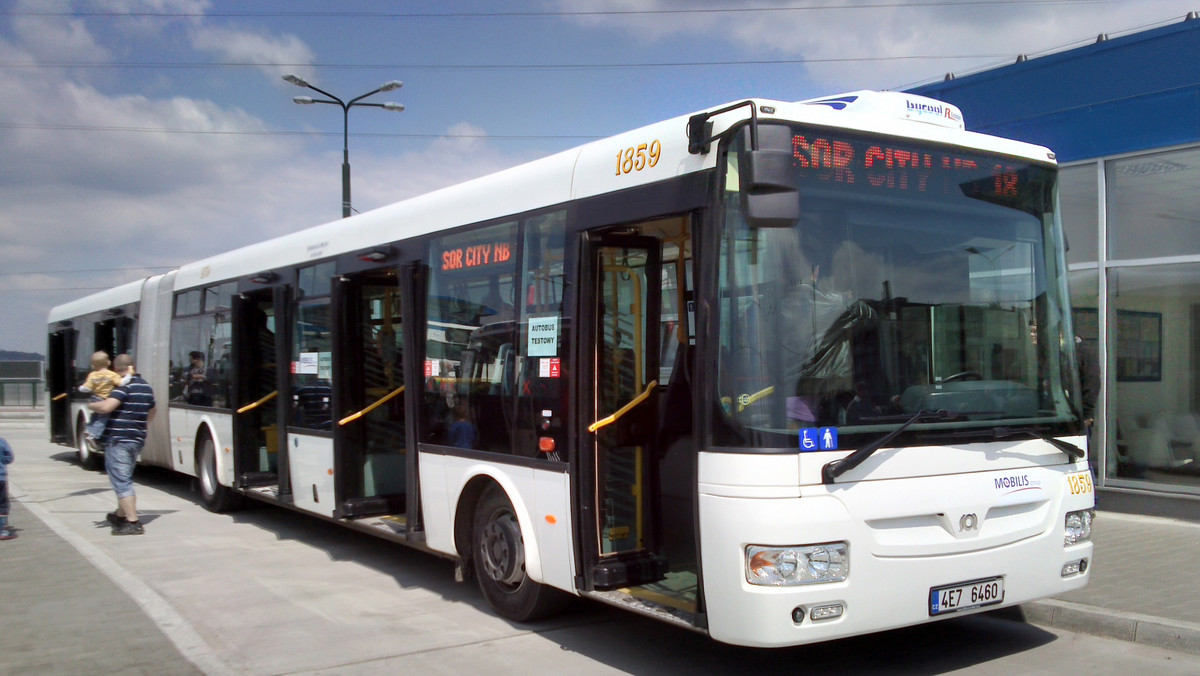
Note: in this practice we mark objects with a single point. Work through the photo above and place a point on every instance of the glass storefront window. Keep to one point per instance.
(1153, 208)
(1153, 391)
(1085, 304)
(1078, 202)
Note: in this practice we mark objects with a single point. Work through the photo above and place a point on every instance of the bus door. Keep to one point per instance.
(60, 375)
(369, 422)
(256, 434)
(622, 304)
(310, 384)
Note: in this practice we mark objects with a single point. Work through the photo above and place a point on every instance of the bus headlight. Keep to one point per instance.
(801, 564)
(1078, 527)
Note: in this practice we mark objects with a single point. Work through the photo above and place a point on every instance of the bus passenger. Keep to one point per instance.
(132, 408)
(462, 434)
(199, 387)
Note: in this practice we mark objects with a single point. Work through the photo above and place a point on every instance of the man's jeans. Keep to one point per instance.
(120, 457)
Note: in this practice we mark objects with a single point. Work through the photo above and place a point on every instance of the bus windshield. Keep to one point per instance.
(918, 278)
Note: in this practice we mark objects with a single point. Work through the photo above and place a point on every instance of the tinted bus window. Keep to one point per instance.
(471, 345)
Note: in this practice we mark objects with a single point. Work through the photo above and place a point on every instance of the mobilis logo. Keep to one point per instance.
(932, 109)
(1016, 483)
(1012, 481)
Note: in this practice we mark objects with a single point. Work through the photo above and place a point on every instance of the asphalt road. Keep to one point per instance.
(269, 591)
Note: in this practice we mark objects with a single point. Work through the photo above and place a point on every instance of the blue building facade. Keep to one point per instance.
(1123, 117)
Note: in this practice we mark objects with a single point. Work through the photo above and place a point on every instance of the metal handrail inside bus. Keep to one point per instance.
(380, 402)
(605, 422)
(260, 402)
(60, 397)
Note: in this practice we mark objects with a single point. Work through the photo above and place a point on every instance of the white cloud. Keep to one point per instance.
(237, 46)
(837, 38)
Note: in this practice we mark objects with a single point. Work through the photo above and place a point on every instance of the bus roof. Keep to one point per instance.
(125, 294)
(592, 169)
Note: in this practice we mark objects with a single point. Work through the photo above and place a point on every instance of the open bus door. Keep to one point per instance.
(256, 429)
(621, 298)
(369, 428)
(60, 374)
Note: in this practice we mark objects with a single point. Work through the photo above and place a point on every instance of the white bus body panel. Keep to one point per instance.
(904, 539)
(186, 427)
(310, 463)
(183, 440)
(152, 356)
(220, 425)
(541, 499)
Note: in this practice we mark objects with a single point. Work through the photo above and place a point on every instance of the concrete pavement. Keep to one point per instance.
(1142, 586)
(70, 612)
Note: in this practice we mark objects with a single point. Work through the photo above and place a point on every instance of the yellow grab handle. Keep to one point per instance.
(260, 402)
(383, 400)
(604, 422)
(747, 399)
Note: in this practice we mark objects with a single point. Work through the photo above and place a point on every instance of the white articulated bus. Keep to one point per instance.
(777, 372)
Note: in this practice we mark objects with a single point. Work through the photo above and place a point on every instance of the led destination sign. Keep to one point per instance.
(477, 256)
(889, 166)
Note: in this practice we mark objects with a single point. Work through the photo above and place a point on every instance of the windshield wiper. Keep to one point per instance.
(1072, 451)
(836, 468)
(983, 433)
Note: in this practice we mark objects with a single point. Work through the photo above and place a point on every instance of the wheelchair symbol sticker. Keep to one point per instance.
(818, 439)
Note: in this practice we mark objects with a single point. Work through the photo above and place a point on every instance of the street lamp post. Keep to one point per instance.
(346, 106)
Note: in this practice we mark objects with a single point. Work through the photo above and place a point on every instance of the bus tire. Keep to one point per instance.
(88, 459)
(498, 549)
(217, 498)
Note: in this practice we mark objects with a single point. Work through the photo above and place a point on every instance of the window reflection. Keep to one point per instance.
(1154, 321)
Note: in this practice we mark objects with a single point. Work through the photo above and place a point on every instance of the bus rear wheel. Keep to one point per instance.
(88, 459)
(217, 498)
(498, 549)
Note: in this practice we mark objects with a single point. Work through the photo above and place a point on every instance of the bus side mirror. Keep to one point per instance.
(771, 197)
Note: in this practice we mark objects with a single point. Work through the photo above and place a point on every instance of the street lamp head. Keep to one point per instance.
(298, 81)
(390, 85)
(397, 107)
(303, 100)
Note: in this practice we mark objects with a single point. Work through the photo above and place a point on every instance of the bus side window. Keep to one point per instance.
(541, 366)
(469, 321)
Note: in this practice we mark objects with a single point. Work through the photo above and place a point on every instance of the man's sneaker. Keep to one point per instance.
(7, 533)
(128, 528)
(93, 444)
(114, 519)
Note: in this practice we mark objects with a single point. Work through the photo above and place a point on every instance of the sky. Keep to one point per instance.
(138, 135)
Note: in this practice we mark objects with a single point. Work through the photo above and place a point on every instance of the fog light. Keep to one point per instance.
(827, 612)
(798, 614)
(1075, 568)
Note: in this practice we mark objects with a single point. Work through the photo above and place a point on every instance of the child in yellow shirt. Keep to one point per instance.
(99, 383)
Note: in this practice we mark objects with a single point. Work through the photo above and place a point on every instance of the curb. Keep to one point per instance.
(1174, 635)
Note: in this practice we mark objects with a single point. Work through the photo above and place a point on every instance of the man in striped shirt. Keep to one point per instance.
(130, 408)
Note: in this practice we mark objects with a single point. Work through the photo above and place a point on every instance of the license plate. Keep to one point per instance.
(965, 595)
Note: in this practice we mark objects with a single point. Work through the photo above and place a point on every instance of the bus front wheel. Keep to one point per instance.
(499, 552)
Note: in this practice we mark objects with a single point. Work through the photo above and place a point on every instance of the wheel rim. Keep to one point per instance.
(501, 553)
